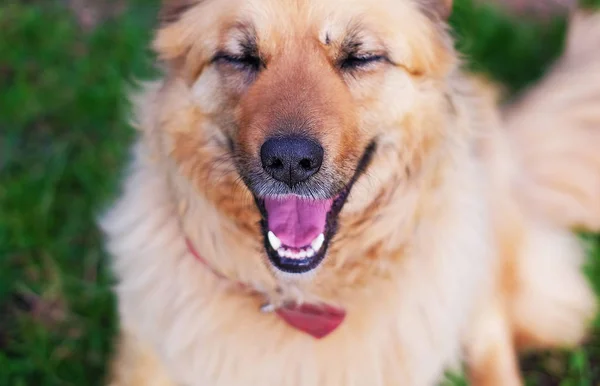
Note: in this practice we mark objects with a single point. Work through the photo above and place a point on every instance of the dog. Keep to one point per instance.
(320, 195)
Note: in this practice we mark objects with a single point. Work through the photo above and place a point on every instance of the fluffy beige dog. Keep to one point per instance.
(319, 196)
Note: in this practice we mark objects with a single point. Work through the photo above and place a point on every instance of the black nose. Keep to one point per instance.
(291, 159)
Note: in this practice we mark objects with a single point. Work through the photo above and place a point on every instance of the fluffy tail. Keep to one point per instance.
(554, 130)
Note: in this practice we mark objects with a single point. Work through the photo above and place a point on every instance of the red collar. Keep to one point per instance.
(315, 320)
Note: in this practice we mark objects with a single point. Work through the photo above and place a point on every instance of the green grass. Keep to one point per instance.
(64, 140)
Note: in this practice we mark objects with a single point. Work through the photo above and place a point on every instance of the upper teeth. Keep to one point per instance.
(296, 253)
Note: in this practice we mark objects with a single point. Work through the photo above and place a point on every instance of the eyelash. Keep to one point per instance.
(242, 62)
(352, 62)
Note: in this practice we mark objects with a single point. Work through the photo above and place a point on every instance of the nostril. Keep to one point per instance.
(275, 163)
(306, 164)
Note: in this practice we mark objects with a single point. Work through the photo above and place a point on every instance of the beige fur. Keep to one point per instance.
(461, 252)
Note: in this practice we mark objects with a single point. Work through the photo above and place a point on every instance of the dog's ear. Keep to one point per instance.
(171, 10)
(437, 9)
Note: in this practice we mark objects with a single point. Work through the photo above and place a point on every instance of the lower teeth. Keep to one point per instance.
(298, 255)
(295, 253)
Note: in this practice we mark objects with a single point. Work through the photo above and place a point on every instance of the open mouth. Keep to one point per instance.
(297, 230)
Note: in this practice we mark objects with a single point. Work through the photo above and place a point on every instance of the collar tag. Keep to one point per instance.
(316, 320)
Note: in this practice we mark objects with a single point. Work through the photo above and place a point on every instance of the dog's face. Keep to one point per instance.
(298, 99)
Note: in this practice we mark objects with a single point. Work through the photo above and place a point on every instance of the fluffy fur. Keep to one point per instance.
(454, 246)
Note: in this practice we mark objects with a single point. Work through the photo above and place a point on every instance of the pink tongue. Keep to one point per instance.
(296, 221)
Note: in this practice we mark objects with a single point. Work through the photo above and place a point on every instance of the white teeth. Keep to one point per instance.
(318, 242)
(295, 254)
(274, 240)
(298, 254)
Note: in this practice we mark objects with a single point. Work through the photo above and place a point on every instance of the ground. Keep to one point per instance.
(64, 139)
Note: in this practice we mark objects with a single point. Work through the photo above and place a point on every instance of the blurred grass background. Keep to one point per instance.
(64, 70)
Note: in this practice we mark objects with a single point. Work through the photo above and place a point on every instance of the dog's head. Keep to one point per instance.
(299, 99)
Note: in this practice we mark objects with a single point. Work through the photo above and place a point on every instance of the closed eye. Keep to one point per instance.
(352, 61)
(245, 62)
